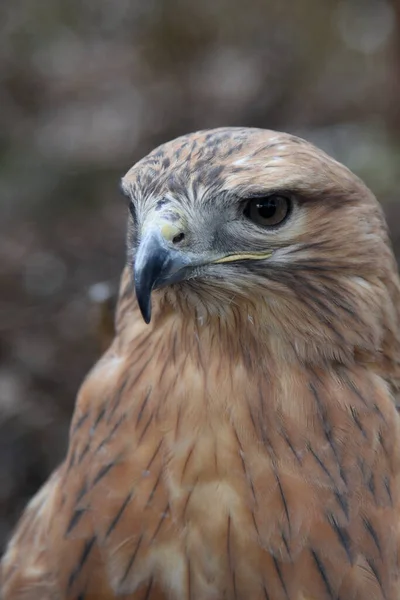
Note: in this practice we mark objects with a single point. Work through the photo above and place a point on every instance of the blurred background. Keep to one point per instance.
(87, 88)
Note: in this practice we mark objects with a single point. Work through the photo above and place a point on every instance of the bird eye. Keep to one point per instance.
(268, 211)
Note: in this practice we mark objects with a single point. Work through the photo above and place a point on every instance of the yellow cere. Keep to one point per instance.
(169, 231)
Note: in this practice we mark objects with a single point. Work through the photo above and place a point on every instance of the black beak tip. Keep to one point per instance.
(144, 302)
(146, 313)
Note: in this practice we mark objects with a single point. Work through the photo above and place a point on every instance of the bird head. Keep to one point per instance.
(264, 228)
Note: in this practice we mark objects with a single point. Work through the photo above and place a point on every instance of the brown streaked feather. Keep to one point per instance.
(246, 443)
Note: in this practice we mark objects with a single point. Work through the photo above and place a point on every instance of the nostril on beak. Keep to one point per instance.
(178, 238)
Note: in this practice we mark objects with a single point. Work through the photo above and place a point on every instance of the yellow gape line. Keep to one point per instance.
(245, 256)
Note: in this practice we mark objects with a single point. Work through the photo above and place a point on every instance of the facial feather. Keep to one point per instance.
(324, 292)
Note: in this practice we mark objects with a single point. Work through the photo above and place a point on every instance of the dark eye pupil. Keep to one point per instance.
(268, 211)
(267, 208)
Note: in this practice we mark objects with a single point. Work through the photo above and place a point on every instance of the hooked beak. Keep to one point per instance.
(156, 264)
(159, 263)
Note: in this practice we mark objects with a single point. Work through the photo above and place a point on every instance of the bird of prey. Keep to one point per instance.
(240, 438)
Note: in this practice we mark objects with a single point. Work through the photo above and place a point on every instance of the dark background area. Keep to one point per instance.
(86, 89)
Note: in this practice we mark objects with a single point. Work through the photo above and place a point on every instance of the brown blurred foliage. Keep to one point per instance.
(86, 89)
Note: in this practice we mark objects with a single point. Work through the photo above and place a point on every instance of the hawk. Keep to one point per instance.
(239, 439)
